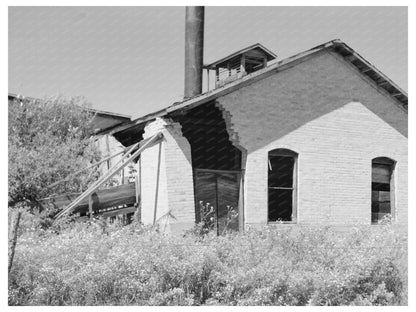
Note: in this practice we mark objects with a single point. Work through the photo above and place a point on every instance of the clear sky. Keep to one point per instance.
(130, 60)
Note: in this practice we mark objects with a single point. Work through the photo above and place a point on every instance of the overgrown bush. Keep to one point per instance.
(135, 265)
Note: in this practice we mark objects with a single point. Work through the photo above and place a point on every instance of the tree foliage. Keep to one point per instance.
(48, 140)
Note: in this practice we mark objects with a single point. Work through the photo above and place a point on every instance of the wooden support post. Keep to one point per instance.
(138, 212)
(243, 65)
(90, 202)
(107, 144)
(241, 203)
(207, 79)
(13, 237)
(157, 182)
(122, 174)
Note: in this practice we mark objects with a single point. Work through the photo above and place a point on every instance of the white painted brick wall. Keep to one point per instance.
(175, 204)
(337, 122)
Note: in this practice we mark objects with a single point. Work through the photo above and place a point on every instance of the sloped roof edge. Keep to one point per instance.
(114, 119)
(338, 46)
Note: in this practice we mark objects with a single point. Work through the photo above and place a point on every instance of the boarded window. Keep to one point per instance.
(381, 188)
(281, 185)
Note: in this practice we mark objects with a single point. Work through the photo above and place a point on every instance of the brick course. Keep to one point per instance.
(337, 122)
(175, 202)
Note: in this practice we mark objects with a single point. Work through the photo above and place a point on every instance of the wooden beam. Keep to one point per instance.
(101, 199)
(351, 57)
(126, 149)
(243, 64)
(366, 70)
(157, 182)
(109, 174)
(241, 202)
(116, 212)
(90, 202)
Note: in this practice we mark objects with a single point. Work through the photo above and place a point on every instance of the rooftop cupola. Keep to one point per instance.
(240, 63)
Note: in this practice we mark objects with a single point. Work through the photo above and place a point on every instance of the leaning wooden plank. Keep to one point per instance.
(114, 169)
(129, 148)
(115, 196)
(110, 173)
(108, 176)
(120, 165)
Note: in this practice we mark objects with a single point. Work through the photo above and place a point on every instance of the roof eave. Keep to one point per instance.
(258, 75)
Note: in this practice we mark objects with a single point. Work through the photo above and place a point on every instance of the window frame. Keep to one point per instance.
(383, 160)
(288, 153)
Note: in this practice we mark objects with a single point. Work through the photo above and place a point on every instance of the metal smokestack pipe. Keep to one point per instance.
(194, 50)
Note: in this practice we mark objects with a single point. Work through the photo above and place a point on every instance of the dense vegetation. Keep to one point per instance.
(48, 140)
(95, 264)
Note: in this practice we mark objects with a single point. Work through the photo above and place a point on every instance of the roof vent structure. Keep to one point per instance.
(240, 63)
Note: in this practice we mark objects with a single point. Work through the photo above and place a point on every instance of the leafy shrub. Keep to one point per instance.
(136, 265)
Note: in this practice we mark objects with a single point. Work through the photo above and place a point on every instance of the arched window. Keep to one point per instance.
(382, 188)
(282, 179)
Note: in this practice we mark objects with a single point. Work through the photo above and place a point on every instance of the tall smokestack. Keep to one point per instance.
(194, 50)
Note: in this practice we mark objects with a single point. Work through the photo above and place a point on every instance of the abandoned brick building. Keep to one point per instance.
(319, 138)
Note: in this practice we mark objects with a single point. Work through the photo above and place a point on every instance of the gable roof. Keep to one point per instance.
(364, 67)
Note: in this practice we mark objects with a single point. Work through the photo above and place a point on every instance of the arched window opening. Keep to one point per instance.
(382, 188)
(282, 185)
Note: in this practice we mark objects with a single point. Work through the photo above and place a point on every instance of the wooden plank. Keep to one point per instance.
(380, 174)
(383, 196)
(90, 203)
(116, 212)
(84, 169)
(157, 182)
(241, 202)
(115, 196)
(109, 175)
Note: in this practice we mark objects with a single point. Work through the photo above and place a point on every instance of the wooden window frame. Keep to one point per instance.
(295, 156)
(383, 160)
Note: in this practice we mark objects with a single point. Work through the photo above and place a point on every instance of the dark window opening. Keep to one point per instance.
(381, 188)
(281, 185)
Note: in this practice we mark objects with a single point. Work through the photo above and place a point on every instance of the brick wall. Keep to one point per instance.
(337, 122)
(175, 202)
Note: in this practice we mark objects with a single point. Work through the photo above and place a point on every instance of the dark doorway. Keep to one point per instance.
(219, 191)
(216, 163)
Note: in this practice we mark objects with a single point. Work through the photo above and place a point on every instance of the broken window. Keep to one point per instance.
(282, 185)
(382, 188)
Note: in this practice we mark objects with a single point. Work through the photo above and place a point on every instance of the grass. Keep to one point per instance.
(134, 265)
